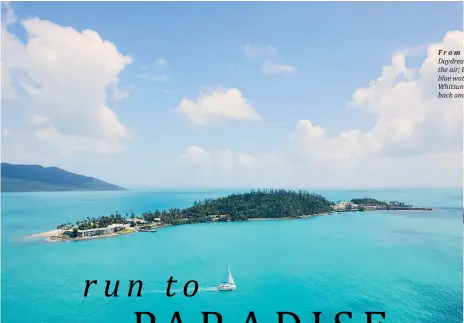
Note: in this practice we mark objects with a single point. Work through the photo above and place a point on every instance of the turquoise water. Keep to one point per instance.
(406, 264)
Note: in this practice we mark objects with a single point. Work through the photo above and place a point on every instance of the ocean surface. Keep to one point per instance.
(407, 264)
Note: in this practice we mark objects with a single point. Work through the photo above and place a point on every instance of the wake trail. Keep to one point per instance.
(181, 290)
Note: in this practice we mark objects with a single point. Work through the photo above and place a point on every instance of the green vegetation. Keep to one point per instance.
(398, 204)
(124, 231)
(388, 205)
(368, 201)
(241, 207)
(257, 204)
(94, 223)
(20, 185)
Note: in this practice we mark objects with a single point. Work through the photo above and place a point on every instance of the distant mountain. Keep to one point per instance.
(36, 178)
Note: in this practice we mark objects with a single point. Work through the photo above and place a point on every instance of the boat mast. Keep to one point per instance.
(230, 279)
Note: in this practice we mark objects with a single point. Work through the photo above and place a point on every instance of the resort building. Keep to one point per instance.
(345, 206)
(139, 221)
(370, 207)
(113, 228)
(339, 208)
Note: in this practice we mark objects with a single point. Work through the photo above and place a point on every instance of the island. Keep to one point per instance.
(254, 205)
(36, 178)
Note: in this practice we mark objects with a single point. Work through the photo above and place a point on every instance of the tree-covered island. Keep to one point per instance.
(254, 205)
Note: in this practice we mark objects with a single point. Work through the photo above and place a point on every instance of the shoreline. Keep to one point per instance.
(289, 218)
(394, 211)
(46, 234)
(59, 239)
(56, 235)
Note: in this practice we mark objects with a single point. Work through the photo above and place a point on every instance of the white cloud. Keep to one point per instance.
(65, 75)
(270, 55)
(119, 93)
(152, 72)
(413, 50)
(161, 62)
(247, 160)
(67, 144)
(217, 105)
(222, 159)
(416, 138)
(195, 154)
(8, 15)
(273, 68)
(284, 170)
(410, 119)
(310, 143)
(8, 89)
(225, 167)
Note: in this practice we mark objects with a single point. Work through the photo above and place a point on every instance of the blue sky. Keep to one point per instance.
(333, 48)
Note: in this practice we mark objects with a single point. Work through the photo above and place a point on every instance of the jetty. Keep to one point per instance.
(367, 204)
(147, 230)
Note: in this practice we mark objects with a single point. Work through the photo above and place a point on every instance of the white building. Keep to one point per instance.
(112, 228)
(345, 206)
(339, 207)
(138, 220)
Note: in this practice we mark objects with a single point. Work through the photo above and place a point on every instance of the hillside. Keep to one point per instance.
(35, 178)
(259, 204)
(252, 205)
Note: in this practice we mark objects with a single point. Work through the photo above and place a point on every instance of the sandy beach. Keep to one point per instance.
(131, 230)
(58, 233)
(47, 234)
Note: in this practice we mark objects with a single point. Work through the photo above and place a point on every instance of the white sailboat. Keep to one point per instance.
(228, 285)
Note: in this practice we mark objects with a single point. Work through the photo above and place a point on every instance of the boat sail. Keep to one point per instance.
(229, 285)
(230, 279)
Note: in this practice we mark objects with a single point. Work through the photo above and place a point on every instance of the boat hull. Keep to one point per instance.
(226, 288)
